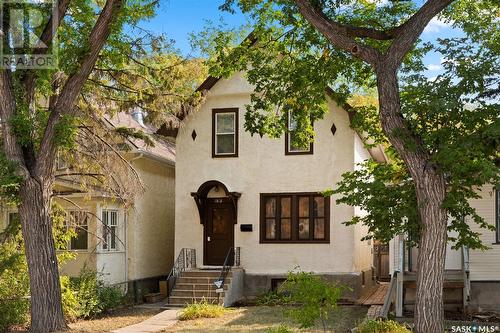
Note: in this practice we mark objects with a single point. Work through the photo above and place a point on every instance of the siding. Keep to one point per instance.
(485, 265)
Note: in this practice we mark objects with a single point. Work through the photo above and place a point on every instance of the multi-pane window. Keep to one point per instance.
(109, 229)
(78, 221)
(225, 133)
(294, 218)
(292, 147)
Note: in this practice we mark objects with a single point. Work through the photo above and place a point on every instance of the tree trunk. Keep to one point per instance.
(429, 315)
(430, 187)
(45, 289)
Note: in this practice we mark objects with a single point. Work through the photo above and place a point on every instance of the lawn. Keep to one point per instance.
(261, 318)
(117, 319)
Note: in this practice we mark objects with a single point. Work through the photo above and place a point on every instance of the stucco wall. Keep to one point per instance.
(261, 167)
(150, 233)
(363, 249)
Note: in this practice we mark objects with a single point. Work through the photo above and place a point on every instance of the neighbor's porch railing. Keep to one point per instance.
(186, 259)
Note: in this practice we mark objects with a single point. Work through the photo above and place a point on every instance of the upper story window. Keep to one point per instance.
(109, 230)
(291, 146)
(294, 218)
(225, 132)
(78, 221)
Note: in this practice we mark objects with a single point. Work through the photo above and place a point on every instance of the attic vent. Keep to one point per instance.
(194, 135)
(333, 129)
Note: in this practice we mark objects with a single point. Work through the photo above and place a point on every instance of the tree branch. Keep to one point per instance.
(11, 147)
(341, 35)
(65, 103)
(45, 38)
(408, 33)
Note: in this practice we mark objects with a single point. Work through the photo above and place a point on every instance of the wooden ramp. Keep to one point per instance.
(376, 297)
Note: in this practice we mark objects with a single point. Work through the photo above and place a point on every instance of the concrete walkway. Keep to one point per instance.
(154, 324)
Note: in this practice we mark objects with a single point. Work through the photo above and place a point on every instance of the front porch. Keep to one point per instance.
(401, 293)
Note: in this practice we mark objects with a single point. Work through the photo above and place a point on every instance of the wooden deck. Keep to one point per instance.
(376, 297)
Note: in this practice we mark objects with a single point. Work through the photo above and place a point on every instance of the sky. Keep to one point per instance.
(179, 18)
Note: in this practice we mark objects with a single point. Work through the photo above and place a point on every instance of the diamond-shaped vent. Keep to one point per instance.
(194, 135)
(333, 129)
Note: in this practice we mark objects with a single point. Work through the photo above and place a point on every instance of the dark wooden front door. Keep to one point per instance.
(218, 231)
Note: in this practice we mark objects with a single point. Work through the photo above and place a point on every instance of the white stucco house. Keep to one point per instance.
(262, 196)
(130, 245)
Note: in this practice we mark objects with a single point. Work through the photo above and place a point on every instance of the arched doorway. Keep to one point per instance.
(218, 214)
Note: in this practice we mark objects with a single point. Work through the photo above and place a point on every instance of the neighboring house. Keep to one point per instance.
(472, 277)
(124, 244)
(262, 196)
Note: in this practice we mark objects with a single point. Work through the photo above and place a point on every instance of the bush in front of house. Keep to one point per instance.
(315, 298)
(273, 298)
(92, 295)
(202, 309)
(382, 326)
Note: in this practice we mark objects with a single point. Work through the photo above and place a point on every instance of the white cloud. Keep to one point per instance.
(436, 25)
(434, 67)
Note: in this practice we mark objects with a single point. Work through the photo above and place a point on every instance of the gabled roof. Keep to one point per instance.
(162, 149)
(377, 153)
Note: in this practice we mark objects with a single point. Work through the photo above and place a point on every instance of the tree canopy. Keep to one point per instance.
(455, 115)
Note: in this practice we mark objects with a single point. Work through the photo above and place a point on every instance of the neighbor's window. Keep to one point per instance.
(109, 229)
(294, 218)
(291, 146)
(225, 133)
(78, 221)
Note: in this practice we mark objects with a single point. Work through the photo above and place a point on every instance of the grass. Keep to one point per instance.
(266, 319)
(119, 318)
(202, 309)
(106, 323)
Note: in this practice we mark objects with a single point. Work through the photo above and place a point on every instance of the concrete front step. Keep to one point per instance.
(196, 286)
(196, 293)
(183, 300)
(199, 280)
(204, 273)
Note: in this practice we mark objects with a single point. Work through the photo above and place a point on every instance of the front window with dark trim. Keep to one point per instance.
(294, 218)
(292, 147)
(225, 132)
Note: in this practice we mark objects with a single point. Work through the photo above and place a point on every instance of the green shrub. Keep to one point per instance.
(280, 329)
(273, 298)
(14, 277)
(93, 296)
(202, 309)
(316, 298)
(69, 299)
(14, 280)
(382, 326)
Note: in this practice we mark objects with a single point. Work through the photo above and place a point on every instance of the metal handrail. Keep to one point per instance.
(186, 259)
(232, 259)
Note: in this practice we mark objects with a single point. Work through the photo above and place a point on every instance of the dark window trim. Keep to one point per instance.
(497, 216)
(236, 124)
(294, 240)
(287, 139)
